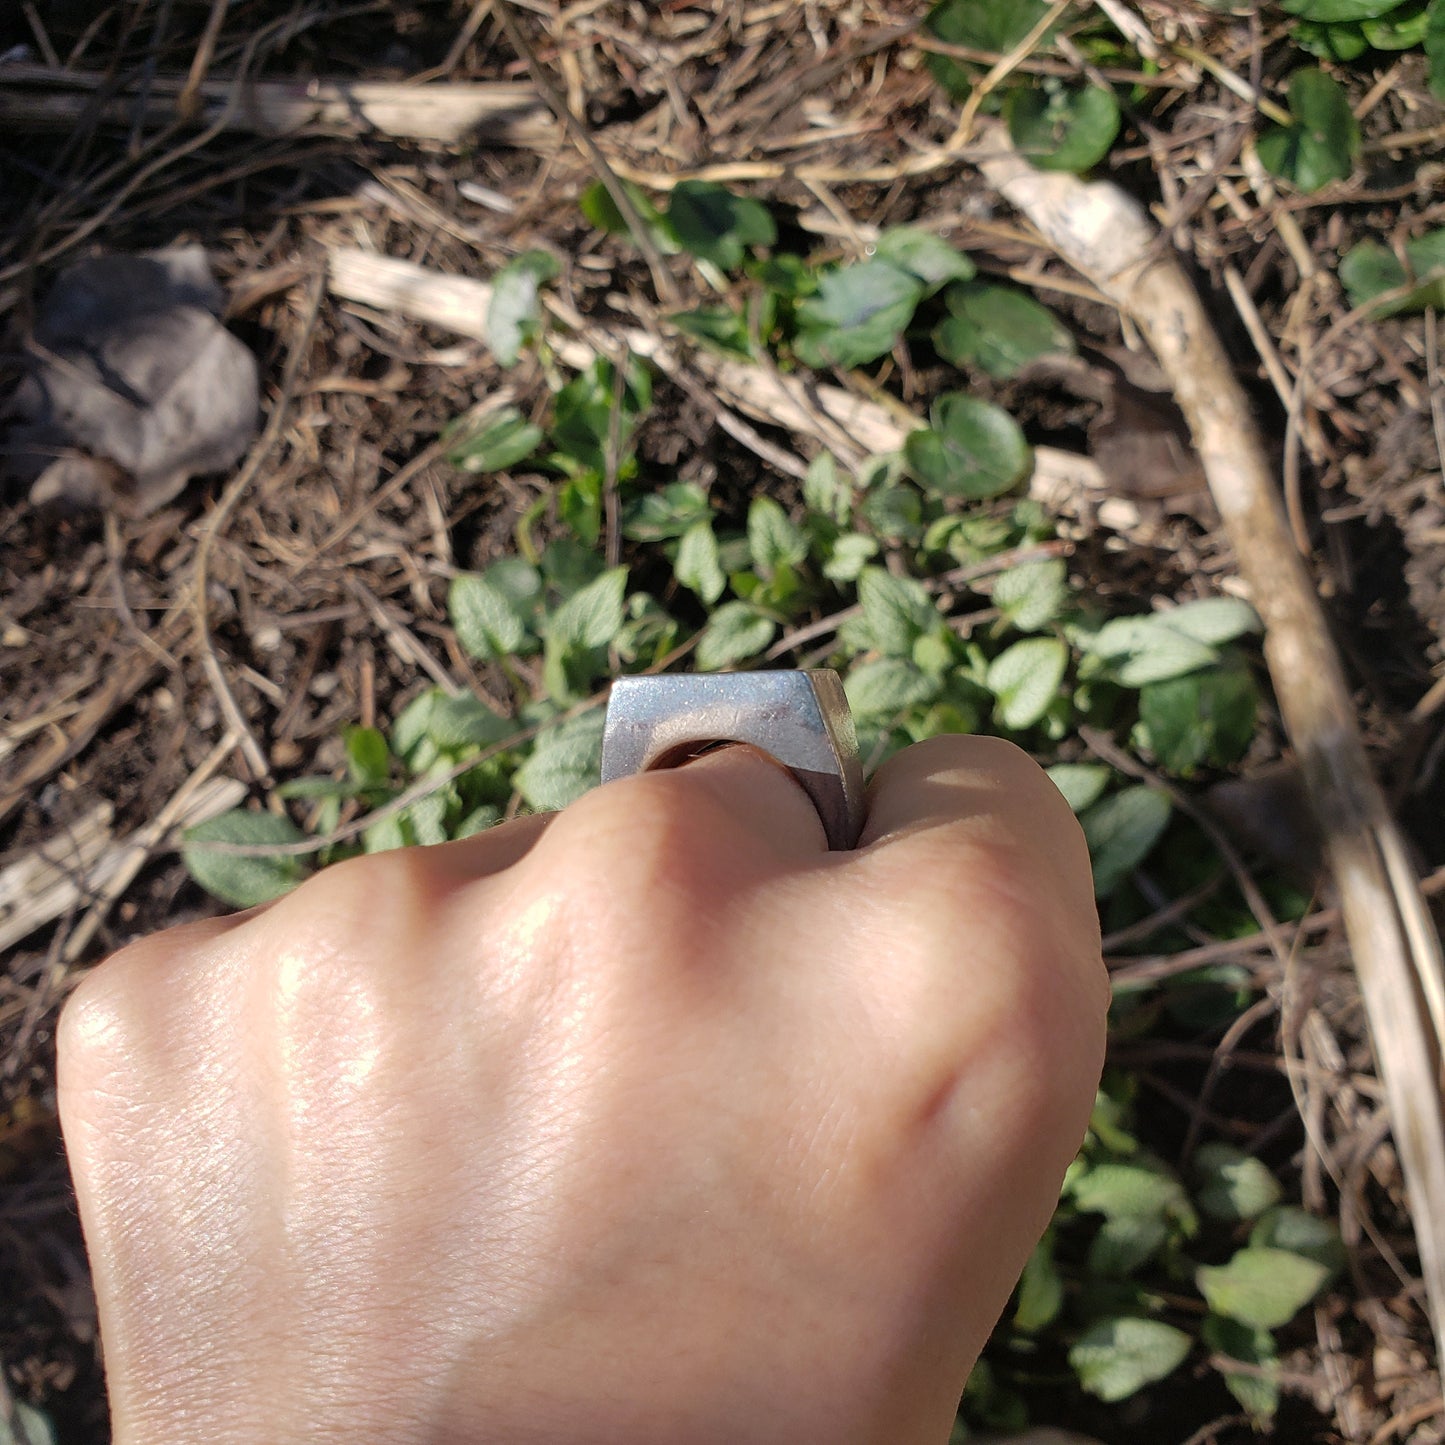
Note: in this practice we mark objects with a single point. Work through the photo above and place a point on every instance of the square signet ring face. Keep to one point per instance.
(801, 719)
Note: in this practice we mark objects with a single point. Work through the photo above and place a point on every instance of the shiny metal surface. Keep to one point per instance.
(799, 718)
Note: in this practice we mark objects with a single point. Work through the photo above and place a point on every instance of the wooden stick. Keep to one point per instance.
(459, 303)
(1106, 236)
(36, 97)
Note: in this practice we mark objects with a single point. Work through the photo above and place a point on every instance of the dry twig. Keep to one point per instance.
(1104, 234)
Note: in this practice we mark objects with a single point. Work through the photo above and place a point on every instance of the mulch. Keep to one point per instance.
(325, 587)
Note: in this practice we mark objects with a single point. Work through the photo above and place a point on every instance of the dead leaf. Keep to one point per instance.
(134, 386)
(1268, 811)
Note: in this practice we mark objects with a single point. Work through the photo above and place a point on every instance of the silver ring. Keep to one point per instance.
(801, 719)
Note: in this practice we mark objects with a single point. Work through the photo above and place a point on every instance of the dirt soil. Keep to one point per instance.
(126, 691)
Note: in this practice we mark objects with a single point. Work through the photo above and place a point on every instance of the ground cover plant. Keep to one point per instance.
(396, 622)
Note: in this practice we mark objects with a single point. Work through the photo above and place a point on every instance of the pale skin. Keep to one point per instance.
(651, 1123)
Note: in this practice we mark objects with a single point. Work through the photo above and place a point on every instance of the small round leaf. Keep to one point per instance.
(1062, 128)
(970, 449)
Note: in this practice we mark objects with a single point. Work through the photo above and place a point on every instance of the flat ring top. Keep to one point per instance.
(799, 718)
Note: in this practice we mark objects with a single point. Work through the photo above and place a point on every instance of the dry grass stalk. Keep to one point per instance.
(793, 403)
(85, 864)
(1397, 958)
(36, 97)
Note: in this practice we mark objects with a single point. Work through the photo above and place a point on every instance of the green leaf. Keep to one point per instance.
(386, 834)
(664, 514)
(999, 329)
(897, 610)
(1116, 1358)
(719, 327)
(1257, 1392)
(465, 721)
(235, 878)
(1109, 1122)
(515, 310)
(1233, 1185)
(1207, 718)
(26, 1426)
(990, 25)
(501, 440)
(698, 566)
(1041, 1290)
(858, 314)
(1402, 29)
(1130, 1190)
(851, 553)
(567, 566)
(882, 689)
(1082, 784)
(714, 225)
(1369, 269)
(518, 581)
(426, 819)
(826, 492)
(317, 787)
(1121, 830)
(735, 632)
(895, 513)
(1344, 42)
(488, 621)
(1215, 620)
(599, 208)
(409, 728)
(1321, 143)
(592, 616)
(1124, 1244)
(1435, 47)
(785, 276)
(565, 763)
(933, 653)
(1058, 127)
(649, 633)
(478, 821)
(1265, 1288)
(1140, 650)
(582, 422)
(368, 758)
(1330, 11)
(970, 448)
(1025, 679)
(923, 255)
(1033, 594)
(773, 540)
(1300, 1232)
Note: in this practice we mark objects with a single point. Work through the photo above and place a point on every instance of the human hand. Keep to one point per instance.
(651, 1122)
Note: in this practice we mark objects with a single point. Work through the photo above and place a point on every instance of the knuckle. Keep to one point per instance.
(346, 904)
(652, 833)
(108, 1013)
(91, 1024)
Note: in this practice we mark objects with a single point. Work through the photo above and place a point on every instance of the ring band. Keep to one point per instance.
(800, 719)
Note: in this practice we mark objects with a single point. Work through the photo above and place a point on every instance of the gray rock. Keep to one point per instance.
(134, 386)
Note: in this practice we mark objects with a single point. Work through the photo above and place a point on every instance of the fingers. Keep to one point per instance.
(972, 853)
(492, 850)
(764, 797)
(981, 793)
(732, 813)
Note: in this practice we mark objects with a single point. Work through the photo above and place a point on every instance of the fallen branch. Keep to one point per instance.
(38, 98)
(792, 403)
(1106, 236)
(86, 864)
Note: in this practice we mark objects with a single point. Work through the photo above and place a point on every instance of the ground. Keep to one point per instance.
(125, 685)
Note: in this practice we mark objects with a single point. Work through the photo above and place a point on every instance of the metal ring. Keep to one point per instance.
(799, 718)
